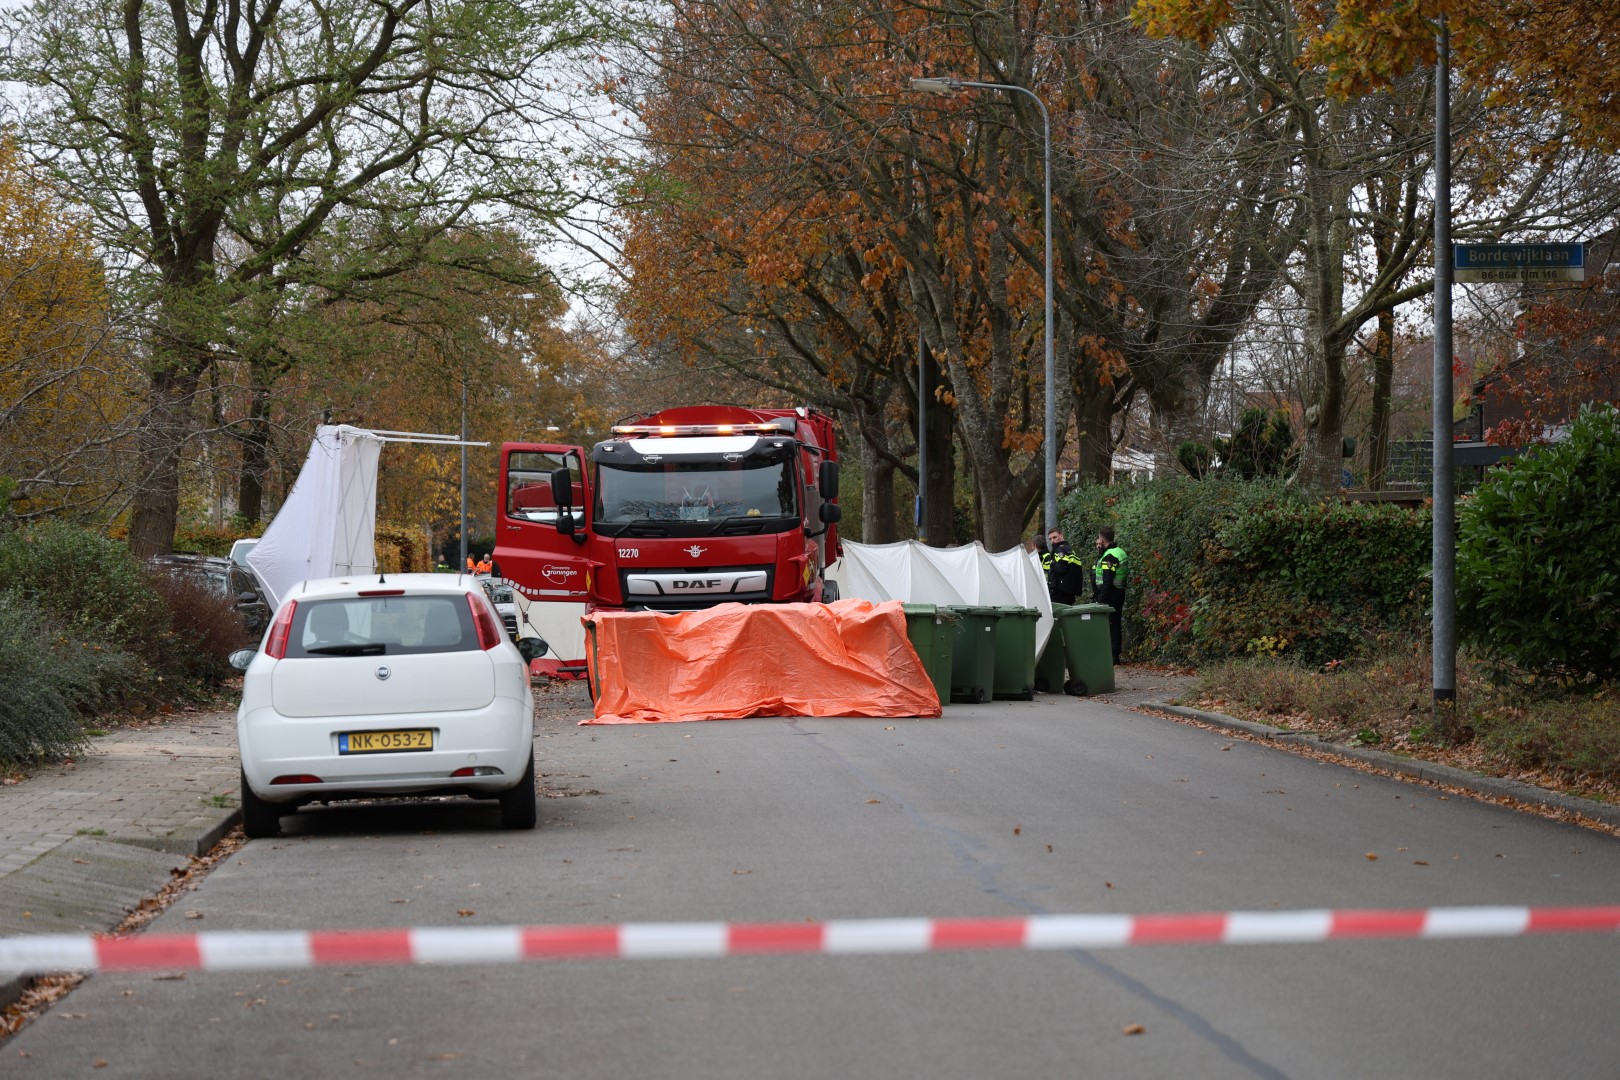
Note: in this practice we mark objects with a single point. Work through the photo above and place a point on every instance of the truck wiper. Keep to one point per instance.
(740, 524)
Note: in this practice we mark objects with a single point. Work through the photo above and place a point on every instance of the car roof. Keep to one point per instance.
(353, 585)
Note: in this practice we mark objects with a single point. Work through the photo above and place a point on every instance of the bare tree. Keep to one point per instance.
(178, 125)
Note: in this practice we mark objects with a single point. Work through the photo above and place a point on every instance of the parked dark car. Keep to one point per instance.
(224, 579)
(501, 597)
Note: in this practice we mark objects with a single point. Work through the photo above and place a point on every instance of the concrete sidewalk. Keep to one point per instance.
(84, 842)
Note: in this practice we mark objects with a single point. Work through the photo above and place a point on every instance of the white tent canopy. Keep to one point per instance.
(917, 574)
(328, 525)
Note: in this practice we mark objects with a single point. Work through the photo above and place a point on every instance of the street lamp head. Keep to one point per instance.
(937, 86)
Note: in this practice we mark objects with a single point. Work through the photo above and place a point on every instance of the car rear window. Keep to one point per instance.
(382, 626)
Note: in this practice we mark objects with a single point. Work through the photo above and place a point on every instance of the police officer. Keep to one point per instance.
(1108, 583)
(1065, 573)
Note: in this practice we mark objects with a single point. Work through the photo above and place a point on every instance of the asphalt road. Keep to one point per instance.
(1007, 809)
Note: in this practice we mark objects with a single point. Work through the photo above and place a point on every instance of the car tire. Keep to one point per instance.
(518, 805)
(260, 820)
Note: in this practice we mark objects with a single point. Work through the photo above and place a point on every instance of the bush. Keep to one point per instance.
(203, 629)
(1538, 583)
(48, 682)
(90, 585)
(94, 591)
(1226, 568)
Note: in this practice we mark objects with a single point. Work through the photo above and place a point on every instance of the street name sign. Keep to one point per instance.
(1519, 262)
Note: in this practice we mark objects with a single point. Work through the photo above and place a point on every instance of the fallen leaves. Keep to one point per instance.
(466, 912)
(1371, 857)
(1133, 1029)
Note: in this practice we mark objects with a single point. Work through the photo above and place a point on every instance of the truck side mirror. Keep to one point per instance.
(562, 497)
(562, 489)
(827, 480)
(831, 513)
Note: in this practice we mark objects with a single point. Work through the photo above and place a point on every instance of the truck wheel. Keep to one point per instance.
(518, 804)
(260, 820)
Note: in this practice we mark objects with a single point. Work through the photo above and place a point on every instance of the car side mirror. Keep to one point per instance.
(532, 648)
(241, 658)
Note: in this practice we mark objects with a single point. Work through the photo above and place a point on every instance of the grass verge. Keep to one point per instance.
(1559, 740)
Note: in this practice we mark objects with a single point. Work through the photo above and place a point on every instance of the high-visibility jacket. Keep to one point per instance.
(1108, 578)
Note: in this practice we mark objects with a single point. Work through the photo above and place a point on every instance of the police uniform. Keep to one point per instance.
(1108, 587)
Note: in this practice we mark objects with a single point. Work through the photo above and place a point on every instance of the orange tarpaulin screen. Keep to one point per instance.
(848, 658)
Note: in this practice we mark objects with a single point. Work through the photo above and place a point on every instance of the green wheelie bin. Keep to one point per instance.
(1052, 665)
(932, 632)
(973, 653)
(1015, 654)
(1088, 650)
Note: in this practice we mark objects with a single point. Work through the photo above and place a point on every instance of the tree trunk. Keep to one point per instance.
(879, 522)
(162, 433)
(255, 440)
(1093, 426)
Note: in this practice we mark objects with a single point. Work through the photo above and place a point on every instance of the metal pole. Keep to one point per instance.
(1051, 370)
(922, 436)
(1445, 509)
(462, 565)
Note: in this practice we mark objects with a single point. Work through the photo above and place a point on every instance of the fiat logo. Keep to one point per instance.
(383, 673)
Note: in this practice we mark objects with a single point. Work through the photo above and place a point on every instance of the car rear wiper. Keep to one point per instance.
(375, 648)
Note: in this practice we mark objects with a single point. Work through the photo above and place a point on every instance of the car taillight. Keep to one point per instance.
(489, 629)
(276, 644)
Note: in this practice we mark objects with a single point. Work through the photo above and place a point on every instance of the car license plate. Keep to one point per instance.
(384, 742)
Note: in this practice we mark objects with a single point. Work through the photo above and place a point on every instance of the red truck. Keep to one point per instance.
(680, 509)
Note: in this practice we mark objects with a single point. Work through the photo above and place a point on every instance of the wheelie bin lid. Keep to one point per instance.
(974, 609)
(1016, 609)
(1084, 609)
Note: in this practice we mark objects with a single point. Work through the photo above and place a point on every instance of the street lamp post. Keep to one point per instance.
(951, 86)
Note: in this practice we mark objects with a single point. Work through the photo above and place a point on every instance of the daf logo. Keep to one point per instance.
(695, 550)
(558, 573)
(704, 584)
(383, 673)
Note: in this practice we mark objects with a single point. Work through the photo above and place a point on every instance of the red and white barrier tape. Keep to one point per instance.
(838, 937)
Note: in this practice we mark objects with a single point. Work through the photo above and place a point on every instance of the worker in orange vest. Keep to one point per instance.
(485, 566)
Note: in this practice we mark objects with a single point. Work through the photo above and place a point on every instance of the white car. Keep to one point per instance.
(394, 685)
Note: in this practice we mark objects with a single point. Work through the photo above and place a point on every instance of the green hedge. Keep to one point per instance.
(1538, 576)
(1226, 567)
(48, 681)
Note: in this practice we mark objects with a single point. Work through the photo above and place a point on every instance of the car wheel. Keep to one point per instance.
(518, 804)
(260, 819)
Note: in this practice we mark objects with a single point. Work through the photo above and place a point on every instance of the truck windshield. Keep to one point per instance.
(699, 489)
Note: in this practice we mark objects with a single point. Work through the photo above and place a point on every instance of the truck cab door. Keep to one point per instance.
(543, 562)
